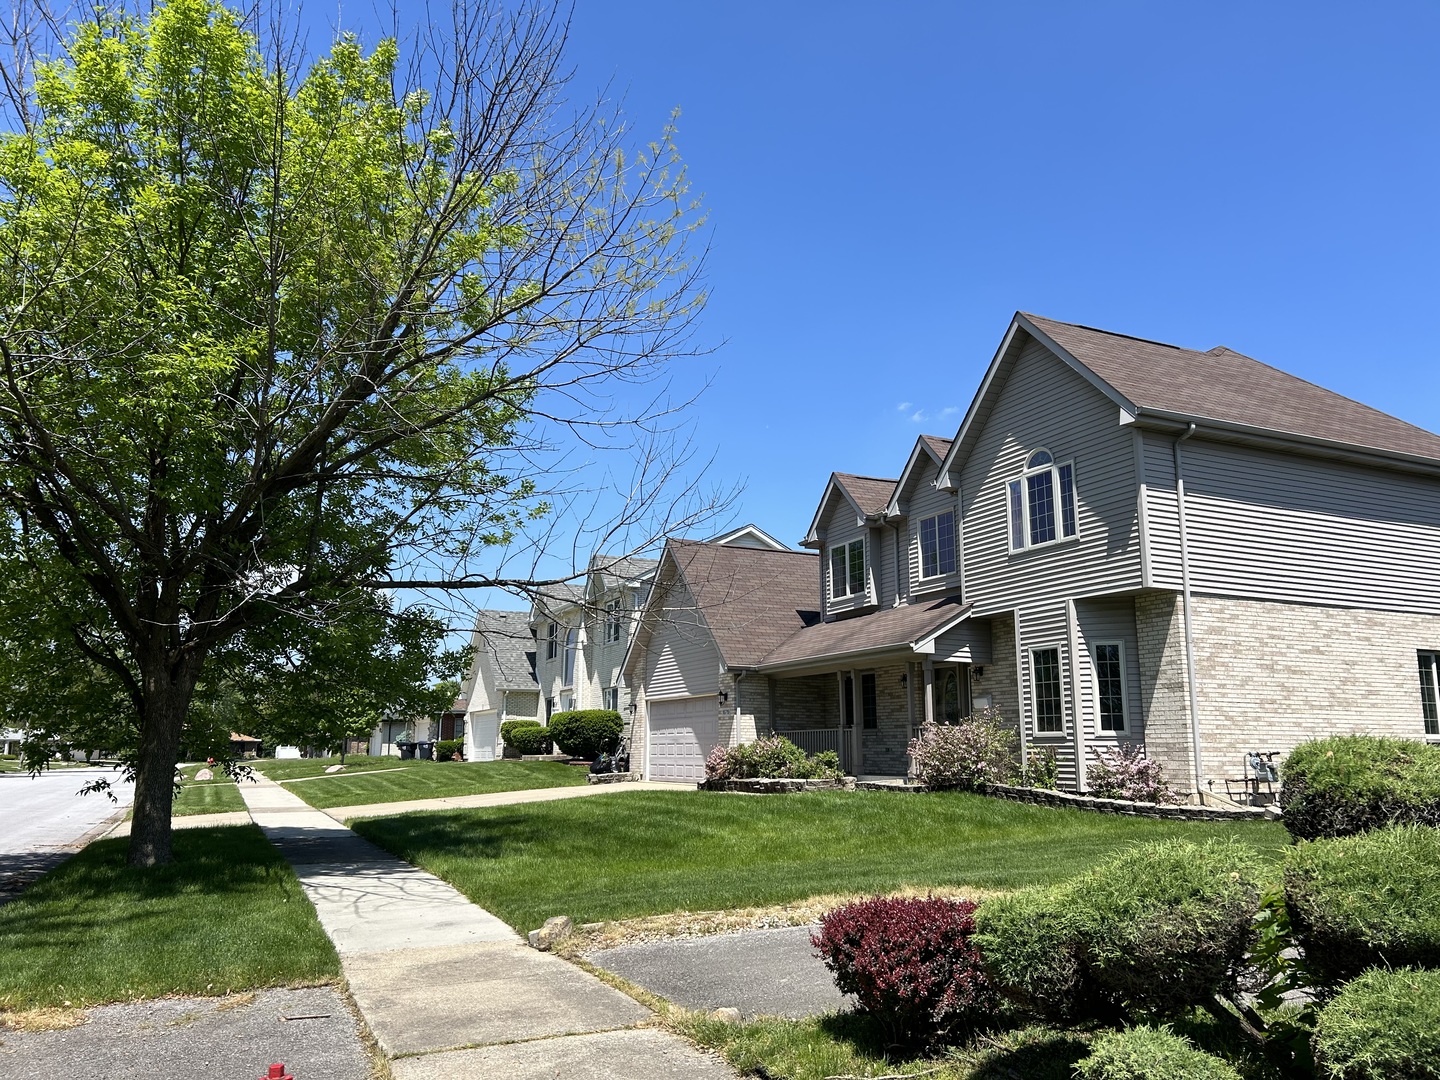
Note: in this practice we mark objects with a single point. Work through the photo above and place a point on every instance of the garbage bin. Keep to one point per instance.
(407, 750)
(425, 751)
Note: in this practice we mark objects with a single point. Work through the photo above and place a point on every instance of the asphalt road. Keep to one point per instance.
(42, 819)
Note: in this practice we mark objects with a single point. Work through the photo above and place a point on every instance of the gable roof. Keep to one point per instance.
(938, 446)
(927, 447)
(867, 495)
(503, 640)
(750, 535)
(752, 599)
(891, 628)
(610, 570)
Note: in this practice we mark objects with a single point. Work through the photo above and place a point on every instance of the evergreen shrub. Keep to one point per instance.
(1150, 1053)
(1350, 783)
(1383, 1026)
(586, 733)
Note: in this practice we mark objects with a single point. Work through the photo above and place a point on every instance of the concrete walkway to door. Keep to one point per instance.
(447, 988)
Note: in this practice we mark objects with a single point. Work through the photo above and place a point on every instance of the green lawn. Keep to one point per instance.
(227, 915)
(207, 797)
(433, 780)
(646, 853)
(292, 768)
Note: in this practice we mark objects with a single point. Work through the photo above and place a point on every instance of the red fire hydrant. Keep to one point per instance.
(277, 1072)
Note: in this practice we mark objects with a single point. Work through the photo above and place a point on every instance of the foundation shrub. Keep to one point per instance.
(510, 726)
(1350, 783)
(1155, 930)
(912, 963)
(1124, 772)
(529, 738)
(771, 757)
(1041, 771)
(979, 750)
(446, 749)
(1360, 901)
(1385, 1025)
(1150, 1053)
(586, 733)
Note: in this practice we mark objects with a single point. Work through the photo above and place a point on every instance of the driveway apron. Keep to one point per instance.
(446, 986)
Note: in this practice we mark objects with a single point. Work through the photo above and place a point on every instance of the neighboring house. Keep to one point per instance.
(1125, 542)
(501, 685)
(10, 741)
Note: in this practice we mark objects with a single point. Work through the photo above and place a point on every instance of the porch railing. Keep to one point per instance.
(814, 740)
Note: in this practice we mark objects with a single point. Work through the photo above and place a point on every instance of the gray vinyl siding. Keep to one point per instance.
(842, 526)
(1108, 620)
(969, 643)
(1045, 404)
(927, 501)
(1161, 518)
(606, 657)
(681, 659)
(883, 544)
(1267, 525)
(1045, 628)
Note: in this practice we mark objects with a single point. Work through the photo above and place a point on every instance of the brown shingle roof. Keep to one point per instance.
(870, 493)
(753, 599)
(880, 630)
(1227, 386)
(938, 446)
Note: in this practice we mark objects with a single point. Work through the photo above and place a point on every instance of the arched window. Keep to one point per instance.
(1042, 502)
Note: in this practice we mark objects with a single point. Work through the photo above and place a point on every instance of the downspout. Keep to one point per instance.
(1189, 625)
(735, 717)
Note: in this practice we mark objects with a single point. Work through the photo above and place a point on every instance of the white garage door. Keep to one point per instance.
(485, 730)
(682, 734)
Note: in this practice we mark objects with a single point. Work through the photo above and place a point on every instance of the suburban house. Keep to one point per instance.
(1125, 541)
(501, 685)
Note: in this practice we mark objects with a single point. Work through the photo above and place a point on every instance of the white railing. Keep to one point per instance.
(814, 740)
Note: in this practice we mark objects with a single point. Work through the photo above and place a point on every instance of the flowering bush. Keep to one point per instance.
(1124, 772)
(772, 756)
(1041, 771)
(911, 963)
(978, 750)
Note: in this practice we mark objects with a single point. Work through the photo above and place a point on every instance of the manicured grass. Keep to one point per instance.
(227, 915)
(434, 780)
(207, 797)
(643, 853)
(293, 768)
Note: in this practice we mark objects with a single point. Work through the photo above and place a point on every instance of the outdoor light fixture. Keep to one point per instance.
(979, 672)
(724, 695)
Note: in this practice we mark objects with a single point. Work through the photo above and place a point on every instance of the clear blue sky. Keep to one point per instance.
(889, 182)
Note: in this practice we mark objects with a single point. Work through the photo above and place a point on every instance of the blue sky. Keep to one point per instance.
(888, 183)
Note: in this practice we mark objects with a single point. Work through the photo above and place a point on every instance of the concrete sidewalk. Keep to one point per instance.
(498, 798)
(447, 988)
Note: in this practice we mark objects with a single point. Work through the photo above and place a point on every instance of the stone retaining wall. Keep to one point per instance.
(777, 785)
(1040, 797)
(613, 777)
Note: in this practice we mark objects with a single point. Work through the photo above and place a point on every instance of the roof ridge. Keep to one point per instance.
(1112, 333)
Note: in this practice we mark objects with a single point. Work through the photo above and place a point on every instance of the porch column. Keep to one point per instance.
(929, 665)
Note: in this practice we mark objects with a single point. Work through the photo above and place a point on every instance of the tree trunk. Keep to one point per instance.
(167, 701)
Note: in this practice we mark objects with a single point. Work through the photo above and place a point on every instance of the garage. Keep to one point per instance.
(485, 734)
(683, 731)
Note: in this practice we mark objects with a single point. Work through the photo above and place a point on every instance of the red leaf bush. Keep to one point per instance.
(911, 963)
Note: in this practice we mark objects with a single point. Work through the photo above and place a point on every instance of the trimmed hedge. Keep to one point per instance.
(1383, 1026)
(529, 739)
(1360, 901)
(1147, 1053)
(1159, 928)
(1350, 783)
(911, 963)
(510, 726)
(446, 749)
(586, 733)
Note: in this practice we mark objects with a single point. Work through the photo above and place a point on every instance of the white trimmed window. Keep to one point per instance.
(937, 545)
(1430, 691)
(614, 620)
(1042, 502)
(1109, 658)
(572, 641)
(1045, 690)
(847, 569)
(552, 638)
(612, 698)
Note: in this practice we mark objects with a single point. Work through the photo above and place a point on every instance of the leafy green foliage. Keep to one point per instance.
(446, 749)
(1349, 783)
(773, 757)
(1156, 930)
(1359, 901)
(529, 738)
(979, 750)
(586, 733)
(1385, 1025)
(510, 726)
(1150, 1053)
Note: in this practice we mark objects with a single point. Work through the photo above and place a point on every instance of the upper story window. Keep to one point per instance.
(614, 620)
(1042, 502)
(1430, 691)
(847, 569)
(552, 640)
(937, 545)
(572, 640)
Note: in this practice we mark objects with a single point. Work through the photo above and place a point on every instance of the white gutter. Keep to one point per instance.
(1189, 624)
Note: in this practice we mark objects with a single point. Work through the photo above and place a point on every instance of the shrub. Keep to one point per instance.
(586, 733)
(1124, 772)
(529, 739)
(1158, 928)
(1347, 784)
(717, 764)
(510, 726)
(1041, 771)
(446, 749)
(1359, 901)
(912, 964)
(1383, 1026)
(1148, 1053)
(772, 756)
(978, 750)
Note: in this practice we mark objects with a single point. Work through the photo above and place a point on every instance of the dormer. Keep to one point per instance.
(845, 532)
(928, 512)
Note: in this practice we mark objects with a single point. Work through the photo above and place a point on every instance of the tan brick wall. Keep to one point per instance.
(884, 748)
(999, 678)
(807, 701)
(1164, 689)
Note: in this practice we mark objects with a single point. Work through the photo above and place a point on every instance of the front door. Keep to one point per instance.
(849, 731)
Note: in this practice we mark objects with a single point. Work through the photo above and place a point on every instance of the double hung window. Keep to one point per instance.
(1110, 684)
(572, 640)
(1042, 502)
(613, 620)
(552, 638)
(1430, 691)
(612, 698)
(1045, 689)
(847, 569)
(937, 545)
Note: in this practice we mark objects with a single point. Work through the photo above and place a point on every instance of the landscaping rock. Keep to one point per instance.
(726, 1015)
(777, 785)
(555, 930)
(334, 768)
(613, 777)
(205, 774)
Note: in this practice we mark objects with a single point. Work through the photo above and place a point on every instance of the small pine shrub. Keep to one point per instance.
(586, 733)
(979, 750)
(771, 757)
(1350, 783)
(1156, 929)
(529, 739)
(446, 749)
(1124, 772)
(1383, 1026)
(1360, 901)
(1149, 1053)
(912, 964)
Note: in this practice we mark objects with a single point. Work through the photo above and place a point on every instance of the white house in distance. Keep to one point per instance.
(1125, 542)
(501, 685)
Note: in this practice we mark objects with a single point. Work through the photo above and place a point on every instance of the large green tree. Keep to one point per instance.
(274, 331)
